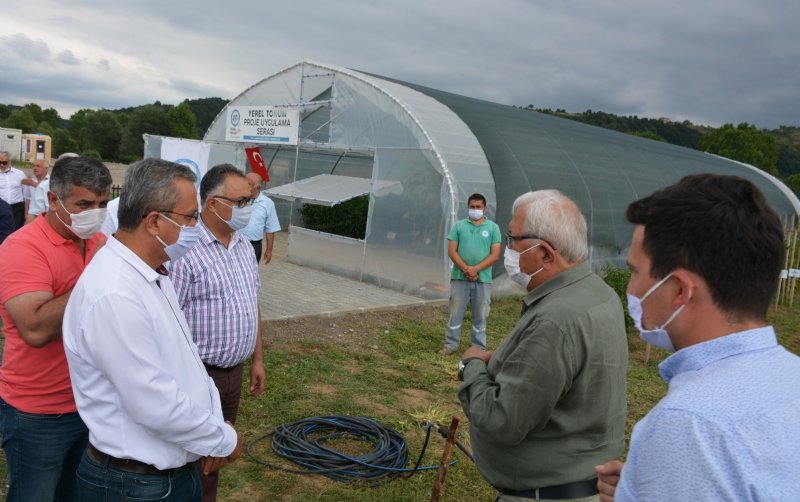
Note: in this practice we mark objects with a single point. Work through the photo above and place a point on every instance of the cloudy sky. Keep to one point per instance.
(708, 61)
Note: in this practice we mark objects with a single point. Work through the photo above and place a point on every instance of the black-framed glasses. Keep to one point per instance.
(243, 202)
(3, 162)
(511, 238)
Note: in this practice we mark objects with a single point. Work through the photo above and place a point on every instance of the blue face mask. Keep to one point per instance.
(657, 336)
(240, 216)
(187, 238)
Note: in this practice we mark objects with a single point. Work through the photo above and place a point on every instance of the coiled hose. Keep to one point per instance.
(304, 443)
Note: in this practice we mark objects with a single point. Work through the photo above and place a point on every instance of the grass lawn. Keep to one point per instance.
(384, 365)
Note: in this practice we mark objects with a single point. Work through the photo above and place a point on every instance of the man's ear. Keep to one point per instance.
(549, 255)
(684, 287)
(151, 223)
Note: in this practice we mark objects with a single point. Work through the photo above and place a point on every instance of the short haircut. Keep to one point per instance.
(4, 153)
(552, 216)
(150, 186)
(86, 172)
(477, 196)
(214, 179)
(721, 228)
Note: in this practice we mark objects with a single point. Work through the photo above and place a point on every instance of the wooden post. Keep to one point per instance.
(448, 452)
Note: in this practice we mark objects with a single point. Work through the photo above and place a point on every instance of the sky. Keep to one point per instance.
(707, 61)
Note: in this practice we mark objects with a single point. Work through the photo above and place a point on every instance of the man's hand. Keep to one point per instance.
(267, 256)
(471, 273)
(258, 377)
(479, 353)
(213, 464)
(31, 182)
(607, 479)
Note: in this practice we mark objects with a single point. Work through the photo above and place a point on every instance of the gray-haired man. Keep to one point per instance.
(549, 403)
(43, 436)
(139, 383)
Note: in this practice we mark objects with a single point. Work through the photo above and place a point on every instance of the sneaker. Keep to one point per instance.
(446, 351)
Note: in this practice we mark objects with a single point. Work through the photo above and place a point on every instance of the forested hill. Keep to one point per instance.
(786, 138)
(116, 135)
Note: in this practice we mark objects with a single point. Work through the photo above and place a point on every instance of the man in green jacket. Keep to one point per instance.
(549, 404)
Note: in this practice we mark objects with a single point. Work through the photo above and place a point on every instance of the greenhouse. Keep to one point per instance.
(416, 154)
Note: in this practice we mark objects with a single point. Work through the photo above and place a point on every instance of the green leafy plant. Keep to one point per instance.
(348, 218)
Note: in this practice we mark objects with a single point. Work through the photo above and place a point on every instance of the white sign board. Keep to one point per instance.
(263, 124)
(792, 272)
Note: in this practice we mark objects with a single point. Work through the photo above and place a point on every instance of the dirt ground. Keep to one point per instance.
(357, 332)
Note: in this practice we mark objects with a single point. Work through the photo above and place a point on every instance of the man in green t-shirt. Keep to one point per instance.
(474, 245)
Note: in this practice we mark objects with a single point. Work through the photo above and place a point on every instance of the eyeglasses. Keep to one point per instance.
(511, 238)
(3, 162)
(194, 217)
(243, 202)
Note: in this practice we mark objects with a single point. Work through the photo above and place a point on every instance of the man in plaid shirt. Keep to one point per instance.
(217, 284)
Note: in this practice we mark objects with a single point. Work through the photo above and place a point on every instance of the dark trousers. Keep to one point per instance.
(18, 210)
(229, 385)
(100, 482)
(42, 454)
(257, 248)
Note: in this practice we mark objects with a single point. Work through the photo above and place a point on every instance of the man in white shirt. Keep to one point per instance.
(263, 220)
(139, 383)
(11, 188)
(36, 191)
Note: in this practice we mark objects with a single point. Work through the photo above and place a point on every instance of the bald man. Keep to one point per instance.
(263, 221)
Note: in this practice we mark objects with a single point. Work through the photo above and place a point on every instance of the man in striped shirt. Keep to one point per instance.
(217, 284)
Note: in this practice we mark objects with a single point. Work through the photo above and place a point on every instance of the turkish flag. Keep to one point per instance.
(257, 162)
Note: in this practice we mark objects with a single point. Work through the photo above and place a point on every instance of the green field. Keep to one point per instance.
(384, 365)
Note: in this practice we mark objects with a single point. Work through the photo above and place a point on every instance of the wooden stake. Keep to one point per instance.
(448, 452)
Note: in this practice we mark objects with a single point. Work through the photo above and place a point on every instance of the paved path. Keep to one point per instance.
(291, 291)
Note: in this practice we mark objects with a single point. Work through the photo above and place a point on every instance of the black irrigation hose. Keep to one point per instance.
(303, 442)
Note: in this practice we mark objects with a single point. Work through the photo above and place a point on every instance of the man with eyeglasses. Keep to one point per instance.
(217, 284)
(12, 188)
(549, 404)
(139, 383)
(43, 435)
(473, 246)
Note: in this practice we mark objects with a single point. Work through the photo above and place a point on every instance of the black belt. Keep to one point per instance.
(221, 369)
(576, 490)
(126, 464)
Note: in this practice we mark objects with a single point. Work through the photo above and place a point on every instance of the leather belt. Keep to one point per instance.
(576, 490)
(220, 369)
(126, 464)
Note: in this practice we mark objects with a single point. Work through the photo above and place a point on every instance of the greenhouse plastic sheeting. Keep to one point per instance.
(329, 189)
(440, 148)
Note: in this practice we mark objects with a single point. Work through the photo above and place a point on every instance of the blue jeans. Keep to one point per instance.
(101, 483)
(462, 292)
(42, 453)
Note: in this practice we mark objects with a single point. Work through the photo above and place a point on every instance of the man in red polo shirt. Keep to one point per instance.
(43, 435)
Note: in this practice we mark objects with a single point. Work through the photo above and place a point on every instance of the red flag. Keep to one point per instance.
(257, 162)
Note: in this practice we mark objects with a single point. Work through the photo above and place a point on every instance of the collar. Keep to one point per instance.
(698, 356)
(133, 259)
(562, 280)
(207, 238)
(54, 237)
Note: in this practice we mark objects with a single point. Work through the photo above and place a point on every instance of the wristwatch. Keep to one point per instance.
(463, 364)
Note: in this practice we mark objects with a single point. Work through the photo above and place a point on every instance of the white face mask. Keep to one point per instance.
(475, 214)
(187, 238)
(511, 263)
(86, 223)
(240, 216)
(657, 336)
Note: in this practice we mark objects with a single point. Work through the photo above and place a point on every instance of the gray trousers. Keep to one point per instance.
(461, 293)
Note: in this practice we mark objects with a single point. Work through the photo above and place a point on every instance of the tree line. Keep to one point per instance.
(775, 151)
(113, 135)
(116, 135)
